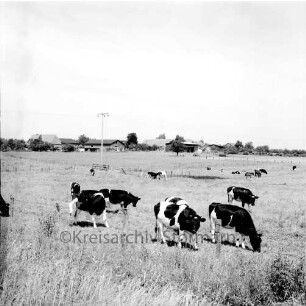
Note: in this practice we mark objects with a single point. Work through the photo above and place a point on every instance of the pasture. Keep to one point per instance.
(95, 266)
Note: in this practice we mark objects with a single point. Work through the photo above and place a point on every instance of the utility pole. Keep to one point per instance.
(102, 116)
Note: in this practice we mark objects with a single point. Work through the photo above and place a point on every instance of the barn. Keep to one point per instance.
(189, 146)
(94, 145)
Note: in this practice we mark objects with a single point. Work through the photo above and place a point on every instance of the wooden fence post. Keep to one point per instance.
(125, 221)
(12, 200)
(218, 237)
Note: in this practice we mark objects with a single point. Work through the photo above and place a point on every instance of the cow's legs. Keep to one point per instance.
(76, 213)
(94, 221)
(160, 228)
(104, 218)
(243, 241)
(212, 230)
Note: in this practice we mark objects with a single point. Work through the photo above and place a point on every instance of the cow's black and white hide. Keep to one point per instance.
(174, 213)
(237, 218)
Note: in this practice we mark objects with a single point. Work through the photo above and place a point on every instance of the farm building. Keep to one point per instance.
(160, 143)
(189, 146)
(69, 141)
(214, 148)
(50, 138)
(109, 144)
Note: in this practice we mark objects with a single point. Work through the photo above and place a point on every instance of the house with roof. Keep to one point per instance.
(69, 141)
(50, 138)
(94, 145)
(189, 146)
(160, 143)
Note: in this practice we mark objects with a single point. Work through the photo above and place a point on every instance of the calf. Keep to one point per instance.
(257, 173)
(74, 189)
(243, 195)
(90, 201)
(122, 197)
(154, 175)
(174, 213)
(235, 217)
(4, 208)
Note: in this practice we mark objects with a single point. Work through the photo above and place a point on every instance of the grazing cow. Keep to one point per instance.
(154, 175)
(257, 173)
(121, 197)
(293, 167)
(208, 168)
(163, 174)
(174, 213)
(92, 171)
(235, 217)
(263, 171)
(248, 175)
(236, 172)
(75, 189)
(90, 201)
(243, 195)
(4, 208)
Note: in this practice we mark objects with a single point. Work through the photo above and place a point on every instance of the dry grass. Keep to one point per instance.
(41, 269)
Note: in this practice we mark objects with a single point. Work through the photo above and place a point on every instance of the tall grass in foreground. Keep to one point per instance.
(43, 270)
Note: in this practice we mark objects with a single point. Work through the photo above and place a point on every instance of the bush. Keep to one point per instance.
(285, 279)
(68, 148)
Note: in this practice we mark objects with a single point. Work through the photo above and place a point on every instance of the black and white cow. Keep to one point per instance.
(4, 208)
(243, 195)
(263, 171)
(163, 174)
(208, 168)
(90, 201)
(174, 213)
(154, 175)
(293, 167)
(235, 217)
(75, 189)
(257, 173)
(248, 174)
(92, 171)
(236, 172)
(122, 197)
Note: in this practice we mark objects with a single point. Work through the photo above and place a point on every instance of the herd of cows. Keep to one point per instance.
(174, 213)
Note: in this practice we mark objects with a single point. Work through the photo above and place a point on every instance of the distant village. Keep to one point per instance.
(51, 142)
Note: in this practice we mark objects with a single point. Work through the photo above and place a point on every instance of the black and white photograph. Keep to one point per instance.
(153, 153)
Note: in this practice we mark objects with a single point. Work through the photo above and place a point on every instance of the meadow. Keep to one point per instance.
(49, 262)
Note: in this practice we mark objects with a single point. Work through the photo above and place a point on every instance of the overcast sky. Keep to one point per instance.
(217, 71)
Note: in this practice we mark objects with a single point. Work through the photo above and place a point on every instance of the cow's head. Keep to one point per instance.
(75, 188)
(135, 200)
(255, 241)
(252, 199)
(190, 221)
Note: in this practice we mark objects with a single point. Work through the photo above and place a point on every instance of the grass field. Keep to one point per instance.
(42, 269)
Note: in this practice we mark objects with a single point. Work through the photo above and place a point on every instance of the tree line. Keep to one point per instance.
(132, 144)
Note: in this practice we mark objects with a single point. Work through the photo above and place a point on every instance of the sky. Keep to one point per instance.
(213, 71)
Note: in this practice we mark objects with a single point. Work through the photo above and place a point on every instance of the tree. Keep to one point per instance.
(39, 145)
(161, 136)
(83, 139)
(177, 145)
(249, 146)
(68, 148)
(239, 145)
(131, 139)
